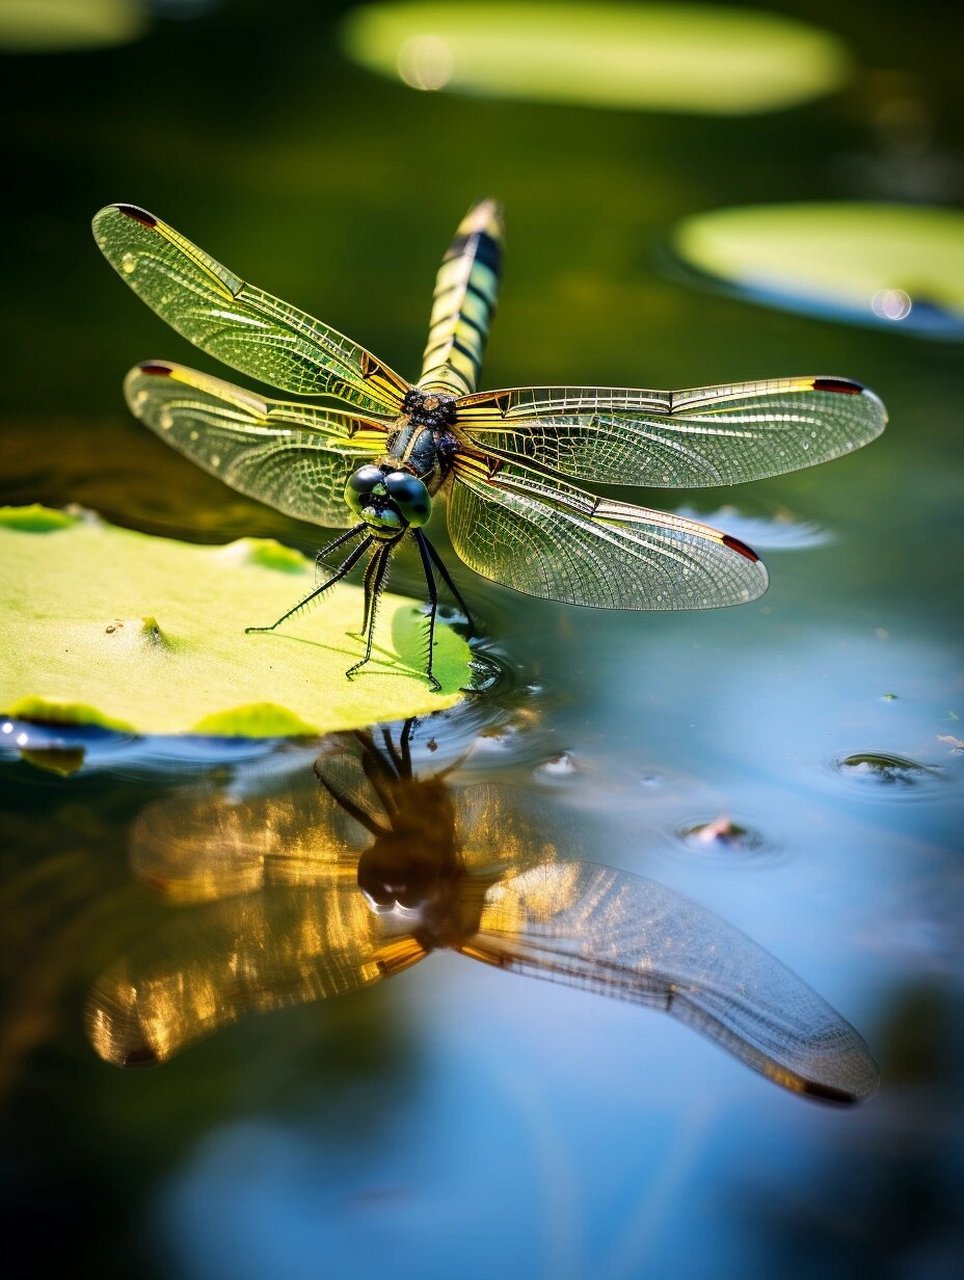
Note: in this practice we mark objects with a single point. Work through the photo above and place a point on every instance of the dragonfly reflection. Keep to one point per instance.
(374, 467)
(292, 913)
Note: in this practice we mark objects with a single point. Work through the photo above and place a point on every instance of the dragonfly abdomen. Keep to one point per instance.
(466, 288)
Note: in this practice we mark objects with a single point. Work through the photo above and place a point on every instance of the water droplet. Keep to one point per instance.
(426, 62)
(891, 304)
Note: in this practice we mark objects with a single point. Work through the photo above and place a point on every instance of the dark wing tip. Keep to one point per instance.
(142, 1056)
(829, 1093)
(134, 211)
(155, 367)
(848, 387)
(843, 386)
(736, 545)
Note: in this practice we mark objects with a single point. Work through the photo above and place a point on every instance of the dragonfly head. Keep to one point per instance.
(387, 499)
(392, 874)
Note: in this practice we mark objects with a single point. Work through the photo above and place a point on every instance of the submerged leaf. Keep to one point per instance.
(104, 626)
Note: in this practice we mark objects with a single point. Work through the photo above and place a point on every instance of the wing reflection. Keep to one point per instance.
(274, 917)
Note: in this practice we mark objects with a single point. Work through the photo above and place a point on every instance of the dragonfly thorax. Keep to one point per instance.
(388, 499)
(432, 409)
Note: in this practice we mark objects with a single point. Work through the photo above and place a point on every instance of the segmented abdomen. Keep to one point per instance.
(466, 288)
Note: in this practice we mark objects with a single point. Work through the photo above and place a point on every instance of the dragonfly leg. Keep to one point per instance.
(346, 566)
(376, 577)
(405, 748)
(360, 815)
(423, 549)
(370, 571)
(447, 579)
(335, 544)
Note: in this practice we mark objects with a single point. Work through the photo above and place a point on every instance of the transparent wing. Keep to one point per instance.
(545, 538)
(294, 457)
(214, 963)
(200, 846)
(682, 439)
(621, 935)
(236, 322)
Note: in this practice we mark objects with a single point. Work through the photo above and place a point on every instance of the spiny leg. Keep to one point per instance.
(356, 811)
(446, 578)
(423, 550)
(338, 542)
(370, 571)
(347, 565)
(404, 752)
(375, 578)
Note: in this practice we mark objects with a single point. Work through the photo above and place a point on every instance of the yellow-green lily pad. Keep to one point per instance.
(103, 626)
(703, 59)
(901, 266)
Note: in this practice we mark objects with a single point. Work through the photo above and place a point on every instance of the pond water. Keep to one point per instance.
(460, 1119)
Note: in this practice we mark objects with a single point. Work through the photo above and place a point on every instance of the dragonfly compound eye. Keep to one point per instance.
(410, 496)
(388, 499)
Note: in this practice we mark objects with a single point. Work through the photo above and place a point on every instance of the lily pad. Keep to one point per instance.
(103, 626)
(702, 59)
(898, 266)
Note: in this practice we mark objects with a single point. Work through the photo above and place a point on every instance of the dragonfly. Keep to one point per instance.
(286, 908)
(373, 463)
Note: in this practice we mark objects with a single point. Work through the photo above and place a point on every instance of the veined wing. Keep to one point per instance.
(621, 935)
(214, 963)
(202, 846)
(295, 457)
(679, 439)
(547, 538)
(238, 323)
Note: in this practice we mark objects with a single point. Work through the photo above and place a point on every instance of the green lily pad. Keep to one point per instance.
(702, 59)
(102, 626)
(901, 266)
(51, 26)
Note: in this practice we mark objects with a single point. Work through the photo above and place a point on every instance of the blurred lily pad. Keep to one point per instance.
(103, 626)
(703, 59)
(53, 26)
(901, 266)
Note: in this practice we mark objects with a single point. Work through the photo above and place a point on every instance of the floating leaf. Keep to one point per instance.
(901, 266)
(886, 769)
(103, 626)
(694, 58)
